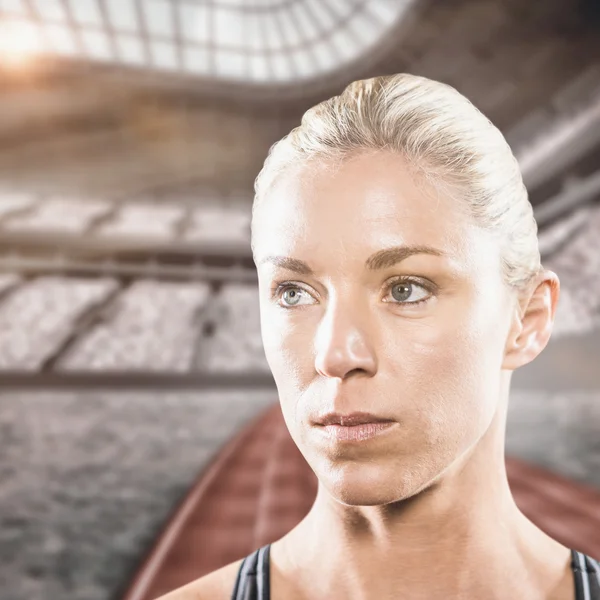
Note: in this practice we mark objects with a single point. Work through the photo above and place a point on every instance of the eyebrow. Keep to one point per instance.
(382, 259)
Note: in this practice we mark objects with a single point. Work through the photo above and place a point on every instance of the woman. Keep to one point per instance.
(400, 286)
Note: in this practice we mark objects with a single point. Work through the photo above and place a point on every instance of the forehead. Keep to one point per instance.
(357, 207)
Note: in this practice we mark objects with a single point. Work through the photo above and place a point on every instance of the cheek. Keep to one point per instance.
(287, 344)
(287, 347)
(450, 370)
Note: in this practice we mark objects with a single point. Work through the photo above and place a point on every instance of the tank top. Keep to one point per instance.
(252, 582)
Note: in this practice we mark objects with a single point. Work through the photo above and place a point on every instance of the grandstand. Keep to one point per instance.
(130, 288)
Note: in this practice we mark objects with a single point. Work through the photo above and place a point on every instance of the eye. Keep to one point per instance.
(403, 290)
(291, 295)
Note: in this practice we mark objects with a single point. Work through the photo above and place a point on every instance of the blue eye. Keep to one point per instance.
(291, 294)
(403, 290)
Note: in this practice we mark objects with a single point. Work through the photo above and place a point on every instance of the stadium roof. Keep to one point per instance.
(248, 41)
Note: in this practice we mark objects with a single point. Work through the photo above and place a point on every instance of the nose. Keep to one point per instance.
(342, 344)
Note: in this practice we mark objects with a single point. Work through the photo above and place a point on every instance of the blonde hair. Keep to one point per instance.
(440, 134)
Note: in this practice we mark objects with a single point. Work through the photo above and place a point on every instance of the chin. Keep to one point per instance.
(366, 485)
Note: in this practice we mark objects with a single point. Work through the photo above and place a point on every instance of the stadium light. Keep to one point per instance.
(19, 43)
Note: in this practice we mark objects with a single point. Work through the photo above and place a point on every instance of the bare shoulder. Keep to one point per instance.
(217, 585)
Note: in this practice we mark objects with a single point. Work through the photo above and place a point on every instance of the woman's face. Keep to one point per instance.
(378, 295)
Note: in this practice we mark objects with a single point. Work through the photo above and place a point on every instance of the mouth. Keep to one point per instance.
(352, 427)
(355, 433)
(351, 420)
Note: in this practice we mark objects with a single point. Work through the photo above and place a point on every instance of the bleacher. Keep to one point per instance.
(93, 286)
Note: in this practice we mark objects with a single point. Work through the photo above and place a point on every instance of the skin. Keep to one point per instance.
(423, 511)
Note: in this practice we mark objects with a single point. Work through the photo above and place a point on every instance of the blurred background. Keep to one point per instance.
(130, 135)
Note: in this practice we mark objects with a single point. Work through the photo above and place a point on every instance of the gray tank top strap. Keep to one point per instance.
(587, 576)
(253, 581)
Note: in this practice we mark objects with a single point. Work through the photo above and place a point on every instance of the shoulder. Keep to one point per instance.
(217, 585)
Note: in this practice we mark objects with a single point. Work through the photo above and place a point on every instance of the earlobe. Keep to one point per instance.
(532, 325)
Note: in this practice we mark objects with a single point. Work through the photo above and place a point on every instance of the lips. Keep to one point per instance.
(350, 420)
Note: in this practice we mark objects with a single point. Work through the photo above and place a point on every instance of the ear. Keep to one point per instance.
(532, 322)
